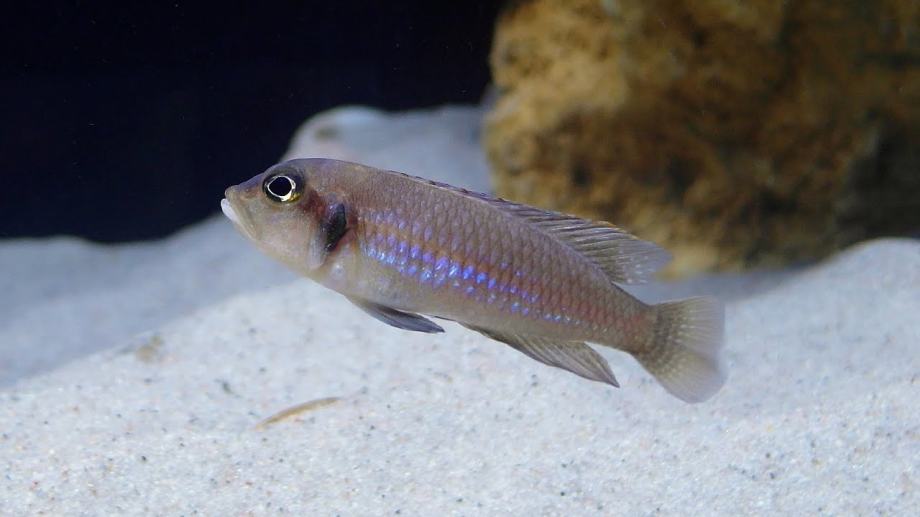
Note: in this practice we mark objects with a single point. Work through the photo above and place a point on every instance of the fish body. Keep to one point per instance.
(543, 282)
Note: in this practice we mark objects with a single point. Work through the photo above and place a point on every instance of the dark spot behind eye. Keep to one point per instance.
(335, 226)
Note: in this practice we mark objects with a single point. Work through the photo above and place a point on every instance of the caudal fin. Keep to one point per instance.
(684, 355)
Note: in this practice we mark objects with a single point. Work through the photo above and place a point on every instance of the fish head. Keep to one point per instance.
(281, 214)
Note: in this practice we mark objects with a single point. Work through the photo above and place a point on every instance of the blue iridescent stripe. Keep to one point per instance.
(414, 262)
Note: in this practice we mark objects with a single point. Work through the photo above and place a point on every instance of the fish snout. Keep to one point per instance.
(233, 205)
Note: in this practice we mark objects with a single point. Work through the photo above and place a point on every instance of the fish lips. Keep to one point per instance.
(236, 211)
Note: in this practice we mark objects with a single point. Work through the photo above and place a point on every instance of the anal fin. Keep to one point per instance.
(397, 318)
(574, 356)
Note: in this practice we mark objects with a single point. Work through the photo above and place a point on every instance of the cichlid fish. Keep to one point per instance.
(542, 282)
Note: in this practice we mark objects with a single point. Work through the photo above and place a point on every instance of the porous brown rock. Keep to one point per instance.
(735, 134)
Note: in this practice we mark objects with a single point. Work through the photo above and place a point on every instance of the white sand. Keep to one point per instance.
(820, 414)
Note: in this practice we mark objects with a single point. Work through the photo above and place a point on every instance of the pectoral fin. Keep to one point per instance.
(397, 318)
(573, 356)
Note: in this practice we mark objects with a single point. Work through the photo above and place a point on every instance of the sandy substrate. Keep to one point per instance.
(154, 388)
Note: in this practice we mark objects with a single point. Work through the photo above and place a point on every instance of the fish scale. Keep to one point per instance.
(547, 298)
(542, 282)
(429, 262)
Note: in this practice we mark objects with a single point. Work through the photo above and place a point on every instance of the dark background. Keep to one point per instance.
(125, 122)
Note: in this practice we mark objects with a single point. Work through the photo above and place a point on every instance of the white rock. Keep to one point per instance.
(819, 415)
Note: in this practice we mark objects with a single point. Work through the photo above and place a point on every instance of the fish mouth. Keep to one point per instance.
(227, 209)
(237, 214)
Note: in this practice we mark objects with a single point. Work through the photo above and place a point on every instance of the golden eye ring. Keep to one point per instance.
(282, 188)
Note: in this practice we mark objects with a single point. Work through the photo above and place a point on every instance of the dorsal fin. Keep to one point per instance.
(621, 256)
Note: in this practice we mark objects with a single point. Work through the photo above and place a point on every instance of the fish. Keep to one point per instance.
(405, 249)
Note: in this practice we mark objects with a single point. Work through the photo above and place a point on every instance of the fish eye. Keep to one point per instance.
(282, 188)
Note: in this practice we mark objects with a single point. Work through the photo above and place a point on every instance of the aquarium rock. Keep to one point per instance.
(734, 134)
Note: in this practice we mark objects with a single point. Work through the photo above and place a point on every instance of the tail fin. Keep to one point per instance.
(684, 355)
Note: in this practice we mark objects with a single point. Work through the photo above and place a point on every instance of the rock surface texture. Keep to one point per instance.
(735, 133)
